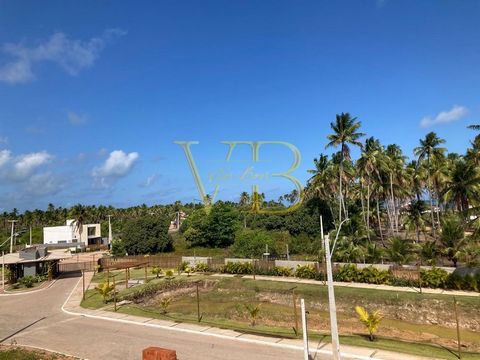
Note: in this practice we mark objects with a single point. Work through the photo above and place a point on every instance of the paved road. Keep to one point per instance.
(37, 320)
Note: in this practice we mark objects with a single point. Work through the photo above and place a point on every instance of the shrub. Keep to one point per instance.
(157, 271)
(305, 272)
(371, 321)
(237, 268)
(202, 267)
(152, 288)
(28, 281)
(182, 267)
(282, 271)
(468, 282)
(169, 274)
(253, 312)
(164, 304)
(372, 275)
(434, 278)
(104, 289)
(347, 273)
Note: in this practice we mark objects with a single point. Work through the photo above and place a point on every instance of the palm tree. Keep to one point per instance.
(244, 203)
(79, 213)
(395, 161)
(345, 132)
(474, 127)
(399, 251)
(452, 239)
(429, 149)
(371, 321)
(463, 184)
(368, 169)
(415, 216)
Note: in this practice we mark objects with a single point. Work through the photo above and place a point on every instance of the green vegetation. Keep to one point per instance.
(370, 320)
(223, 305)
(146, 235)
(21, 353)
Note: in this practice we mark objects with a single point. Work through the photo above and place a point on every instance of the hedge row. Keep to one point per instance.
(433, 278)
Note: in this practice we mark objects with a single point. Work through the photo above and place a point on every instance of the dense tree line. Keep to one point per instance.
(387, 207)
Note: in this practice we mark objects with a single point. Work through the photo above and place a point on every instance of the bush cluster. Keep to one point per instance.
(433, 278)
(151, 289)
(237, 268)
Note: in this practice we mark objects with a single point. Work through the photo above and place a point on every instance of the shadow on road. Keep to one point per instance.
(20, 330)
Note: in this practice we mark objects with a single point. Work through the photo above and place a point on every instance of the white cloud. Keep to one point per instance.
(5, 156)
(454, 114)
(21, 168)
(72, 55)
(25, 164)
(118, 164)
(77, 119)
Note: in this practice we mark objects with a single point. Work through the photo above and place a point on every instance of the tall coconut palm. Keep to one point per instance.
(395, 161)
(345, 132)
(428, 149)
(79, 213)
(244, 202)
(463, 185)
(322, 184)
(368, 168)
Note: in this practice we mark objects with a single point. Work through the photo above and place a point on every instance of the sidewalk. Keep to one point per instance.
(72, 307)
(357, 285)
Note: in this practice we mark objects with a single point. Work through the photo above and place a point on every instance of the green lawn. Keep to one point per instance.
(223, 305)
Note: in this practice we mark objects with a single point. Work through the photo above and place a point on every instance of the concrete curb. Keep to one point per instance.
(9, 293)
(252, 339)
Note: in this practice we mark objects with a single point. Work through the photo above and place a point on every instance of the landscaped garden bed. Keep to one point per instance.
(417, 323)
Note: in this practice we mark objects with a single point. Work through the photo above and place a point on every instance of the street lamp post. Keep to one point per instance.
(12, 234)
(109, 230)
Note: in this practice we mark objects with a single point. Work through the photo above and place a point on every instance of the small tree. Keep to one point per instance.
(169, 274)
(253, 312)
(371, 321)
(164, 304)
(104, 289)
(157, 271)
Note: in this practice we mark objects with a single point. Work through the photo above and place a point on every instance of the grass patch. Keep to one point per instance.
(223, 306)
(21, 353)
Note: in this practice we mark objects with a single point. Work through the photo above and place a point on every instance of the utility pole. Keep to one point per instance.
(30, 235)
(109, 230)
(306, 355)
(331, 294)
(331, 302)
(12, 234)
(3, 270)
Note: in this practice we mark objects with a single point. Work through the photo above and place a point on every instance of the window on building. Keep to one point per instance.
(91, 231)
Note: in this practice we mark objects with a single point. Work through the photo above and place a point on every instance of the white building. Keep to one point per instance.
(69, 234)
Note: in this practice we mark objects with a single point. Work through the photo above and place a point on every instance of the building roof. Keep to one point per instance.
(15, 258)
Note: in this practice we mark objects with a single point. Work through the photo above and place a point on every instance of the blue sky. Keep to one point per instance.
(94, 94)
